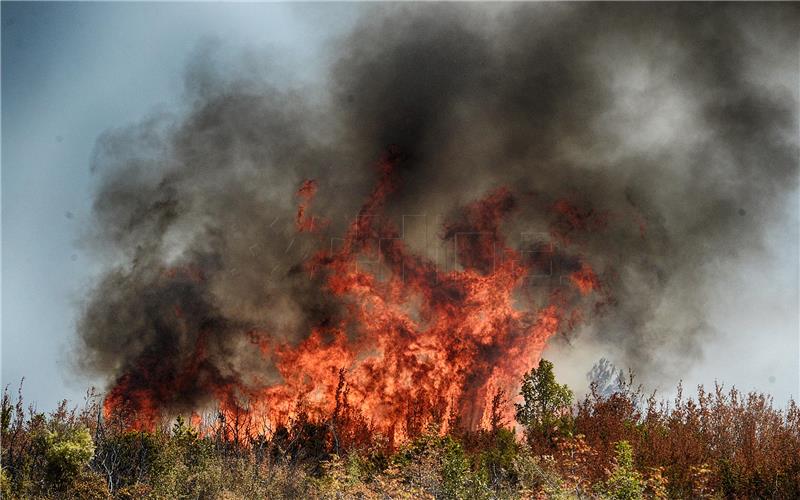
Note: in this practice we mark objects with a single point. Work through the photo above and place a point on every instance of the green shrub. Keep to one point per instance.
(546, 403)
(439, 466)
(68, 452)
(5, 484)
(496, 459)
(624, 481)
(187, 467)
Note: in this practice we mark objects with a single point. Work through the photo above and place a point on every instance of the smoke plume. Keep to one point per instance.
(650, 141)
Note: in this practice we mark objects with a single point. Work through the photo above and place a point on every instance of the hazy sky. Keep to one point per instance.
(72, 71)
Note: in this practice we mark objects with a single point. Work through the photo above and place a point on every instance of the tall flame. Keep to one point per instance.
(413, 339)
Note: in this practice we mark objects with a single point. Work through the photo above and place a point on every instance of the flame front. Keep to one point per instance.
(413, 340)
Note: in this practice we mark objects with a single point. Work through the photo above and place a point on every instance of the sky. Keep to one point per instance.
(72, 71)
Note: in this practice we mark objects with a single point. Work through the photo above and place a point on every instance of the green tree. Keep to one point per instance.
(546, 403)
(624, 482)
(67, 452)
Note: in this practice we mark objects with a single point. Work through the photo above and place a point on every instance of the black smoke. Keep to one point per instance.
(678, 121)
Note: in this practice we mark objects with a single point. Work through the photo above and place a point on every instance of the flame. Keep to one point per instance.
(304, 222)
(413, 340)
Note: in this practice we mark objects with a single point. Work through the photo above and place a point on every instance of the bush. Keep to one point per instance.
(495, 456)
(545, 410)
(67, 452)
(128, 458)
(624, 482)
(439, 466)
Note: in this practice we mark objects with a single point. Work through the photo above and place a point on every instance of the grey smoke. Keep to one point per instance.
(681, 116)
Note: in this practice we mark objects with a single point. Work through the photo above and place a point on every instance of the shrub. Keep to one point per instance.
(495, 452)
(538, 474)
(545, 409)
(67, 452)
(439, 466)
(624, 482)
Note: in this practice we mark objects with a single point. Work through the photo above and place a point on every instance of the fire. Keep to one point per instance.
(304, 222)
(413, 340)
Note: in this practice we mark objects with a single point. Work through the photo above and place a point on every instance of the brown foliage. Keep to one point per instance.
(728, 442)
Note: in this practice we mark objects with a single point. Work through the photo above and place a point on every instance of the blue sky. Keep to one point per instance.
(71, 71)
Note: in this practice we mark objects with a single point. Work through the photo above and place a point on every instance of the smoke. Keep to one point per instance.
(671, 129)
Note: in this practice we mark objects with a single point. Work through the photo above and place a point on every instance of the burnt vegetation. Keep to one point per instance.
(616, 442)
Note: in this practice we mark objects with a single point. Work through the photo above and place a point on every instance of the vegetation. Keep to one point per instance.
(545, 410)
(614, 444)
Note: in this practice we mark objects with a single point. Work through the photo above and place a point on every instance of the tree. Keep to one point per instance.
(67, 453)
(546, 403)
(624, 481)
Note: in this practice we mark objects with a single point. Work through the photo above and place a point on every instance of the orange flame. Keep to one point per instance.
(411, 339)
